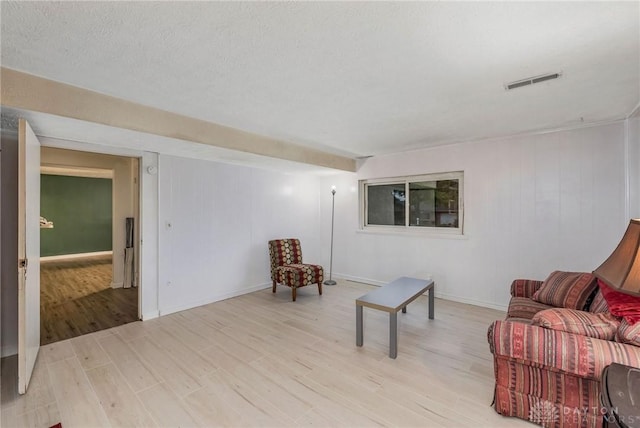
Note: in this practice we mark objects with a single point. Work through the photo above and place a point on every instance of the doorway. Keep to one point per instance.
(86, 283)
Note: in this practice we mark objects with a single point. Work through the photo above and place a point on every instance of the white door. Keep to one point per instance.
(28, 253)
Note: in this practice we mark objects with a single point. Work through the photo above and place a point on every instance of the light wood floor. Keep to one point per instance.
(76, 298)
(262, 360)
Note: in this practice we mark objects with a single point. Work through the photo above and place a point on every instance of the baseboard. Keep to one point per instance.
(359, 279)
(117, 284)
(150, 315)
(76, 256)
(8, 351)
(213, 299)
(439, 295)
(473, 302)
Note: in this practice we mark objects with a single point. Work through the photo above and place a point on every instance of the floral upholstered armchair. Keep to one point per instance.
(287, 267)
(550, 351)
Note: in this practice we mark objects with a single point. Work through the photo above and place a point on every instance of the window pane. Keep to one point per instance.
(433, 203)
(422, 197)
(386, 204)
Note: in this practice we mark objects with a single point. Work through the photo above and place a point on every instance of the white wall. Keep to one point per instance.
(633, 147)
(533, 204)
(148, 229)
(215, 221)
(221, 218)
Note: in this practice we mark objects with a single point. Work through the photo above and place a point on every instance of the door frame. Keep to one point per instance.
(147, 206)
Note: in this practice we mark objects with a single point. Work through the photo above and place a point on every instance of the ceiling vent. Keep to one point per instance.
(531, 81)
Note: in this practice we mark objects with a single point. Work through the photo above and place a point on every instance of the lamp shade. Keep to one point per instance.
(622, 269)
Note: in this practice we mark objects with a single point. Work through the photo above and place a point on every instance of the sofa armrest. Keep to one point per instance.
(558, 351)
(524, 287)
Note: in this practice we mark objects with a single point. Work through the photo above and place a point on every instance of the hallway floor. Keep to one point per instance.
(76, 298)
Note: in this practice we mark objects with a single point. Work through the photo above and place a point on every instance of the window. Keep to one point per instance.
(425, 202)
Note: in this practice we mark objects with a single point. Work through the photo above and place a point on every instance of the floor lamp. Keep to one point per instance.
(333, 209)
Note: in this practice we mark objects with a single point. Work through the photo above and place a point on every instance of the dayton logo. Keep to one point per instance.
(543, 413)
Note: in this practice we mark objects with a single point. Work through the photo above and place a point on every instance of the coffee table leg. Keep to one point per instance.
(359, 333)
(393, 335)
(431, 302)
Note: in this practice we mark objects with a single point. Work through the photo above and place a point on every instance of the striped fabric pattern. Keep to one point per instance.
(544, 412)
(549, 377)
(524, 287)
(566, 289)
(523, 307)
(628, 333)
(558, 351)
(601, 325)
(549, 373)
(523, 320)
(621, 304)
(599, 304)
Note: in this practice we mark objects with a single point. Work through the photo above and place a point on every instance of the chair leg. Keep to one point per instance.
(273, 289)
(293, 293)
(320, 287)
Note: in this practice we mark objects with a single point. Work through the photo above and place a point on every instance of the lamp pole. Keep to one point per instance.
(333, 207)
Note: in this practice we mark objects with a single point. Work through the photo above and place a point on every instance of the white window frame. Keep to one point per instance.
(455, 175)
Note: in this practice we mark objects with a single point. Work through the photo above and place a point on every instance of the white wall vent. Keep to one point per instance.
(531, 80)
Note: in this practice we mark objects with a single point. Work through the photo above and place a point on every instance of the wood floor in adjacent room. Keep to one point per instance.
(262, 360)
(76, 298)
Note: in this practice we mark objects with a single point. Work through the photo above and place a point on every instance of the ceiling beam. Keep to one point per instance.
(25, 91)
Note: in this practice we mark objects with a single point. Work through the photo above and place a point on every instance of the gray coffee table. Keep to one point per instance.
(391, 298)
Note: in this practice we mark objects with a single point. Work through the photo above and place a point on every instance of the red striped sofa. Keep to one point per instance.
(550, 376)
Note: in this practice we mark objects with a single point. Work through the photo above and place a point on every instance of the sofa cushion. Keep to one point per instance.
(558, 351)
(628, 333)
(621, 304)
(566, 289)
(600, 326)
(599, 304)
(524, 287)
(523, 307)
(522, 320)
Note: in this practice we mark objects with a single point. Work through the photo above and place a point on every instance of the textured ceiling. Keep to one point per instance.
(356, 78)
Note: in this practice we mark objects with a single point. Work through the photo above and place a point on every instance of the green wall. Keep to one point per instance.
(81, 211)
